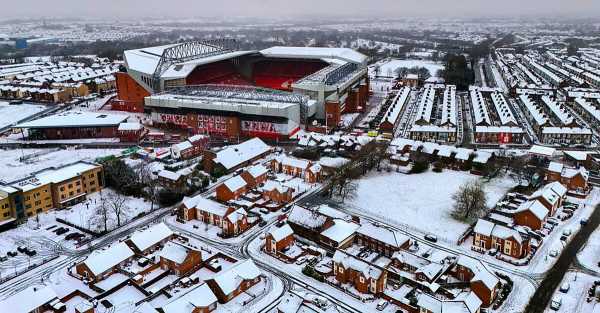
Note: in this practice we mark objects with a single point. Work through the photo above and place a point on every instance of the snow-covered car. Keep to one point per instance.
(553, 253)
(382, 305)
(431, 238)
(556, 303)
(564, 288)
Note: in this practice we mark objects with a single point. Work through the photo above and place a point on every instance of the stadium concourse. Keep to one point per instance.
(212, 87)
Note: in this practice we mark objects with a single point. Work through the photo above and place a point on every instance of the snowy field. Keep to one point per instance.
(388, 68)
(13, 113)
(421, 201)
(13, 168)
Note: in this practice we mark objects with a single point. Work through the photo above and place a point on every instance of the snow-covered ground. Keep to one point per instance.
(10, 114)
(85, 214)
(389, 67)
(589, 256)
(575, 299)
(16, 164)
(420, 202)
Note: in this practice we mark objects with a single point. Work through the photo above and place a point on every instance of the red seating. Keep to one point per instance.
(276, 74)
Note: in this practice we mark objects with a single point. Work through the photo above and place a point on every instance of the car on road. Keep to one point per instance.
(556, 303)
(553, 253)
(262, 223)
(564, 288)
(583, 221)
(431, 238)
(382, 305)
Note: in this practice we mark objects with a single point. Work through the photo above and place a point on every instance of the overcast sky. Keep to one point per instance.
(266, 8)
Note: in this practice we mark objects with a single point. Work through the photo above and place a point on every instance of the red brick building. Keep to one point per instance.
(179, 258)
(575, 179)
(277, 192)
(507, 241)
(232, 222)
(366, 278)
(131, 132)
(130, 94)
(278, 239)
(382, 240)
(73, 125)
(235, 280)
(255, 175)
(551, 196)
(232, 189)
(102, 263)
(532, 214)
(483, 281)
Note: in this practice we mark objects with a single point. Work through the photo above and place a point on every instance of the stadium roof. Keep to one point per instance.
(145, 60)
(344, 54)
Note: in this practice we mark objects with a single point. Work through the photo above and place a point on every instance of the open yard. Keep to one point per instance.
(420, 201)
(389, 68)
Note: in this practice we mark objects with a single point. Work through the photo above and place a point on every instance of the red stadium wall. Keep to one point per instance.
(130, 94)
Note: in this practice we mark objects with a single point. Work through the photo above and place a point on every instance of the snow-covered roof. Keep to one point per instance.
(101, 261)
(577, 155)
(541, 150)
(235, 155)
(534, 111)
(169, 175)
(257, 170)
(235, 183)
(305, 217)
(292, 162)
(503, 109)
(76, 119)
(230, 279)
(555, 167)
(203, 204)
(340, 230)
(465, 303)
(54, 175)
(151, 236)
(199, 297)
(29, 299)
(425, 105)
(351, 262)
(282, 232)
(483, 227)
(236, 215)
(393, 112)
(480, 111)
(174, 252)
(128, 126)
(387, 236)
(480, 271)
(344, 54)
(535, 207)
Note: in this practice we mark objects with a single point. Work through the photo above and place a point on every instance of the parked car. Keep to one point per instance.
(31, 252)
(22, 249)
(553, 253)
(552, 221)
(11, 253)
(301, 260)
(431, 238)
(567, 232)
(556, 303)
(382, 305)
(564, 288)
(262, 223)
(583, 221)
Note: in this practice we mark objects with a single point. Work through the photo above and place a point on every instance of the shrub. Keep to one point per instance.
(419, 167)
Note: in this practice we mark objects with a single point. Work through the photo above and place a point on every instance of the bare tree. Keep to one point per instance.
(469, 201)
(349, 191)
(117, 204)
(101, 215)
(147, 178)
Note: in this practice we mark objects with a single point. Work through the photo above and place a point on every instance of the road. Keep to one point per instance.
(543, 294)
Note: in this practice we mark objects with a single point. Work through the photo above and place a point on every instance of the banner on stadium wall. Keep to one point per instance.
(211, 123)
(264, 127)
(175, 119)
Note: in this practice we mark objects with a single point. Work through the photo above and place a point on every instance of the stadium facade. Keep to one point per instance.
(213, 87)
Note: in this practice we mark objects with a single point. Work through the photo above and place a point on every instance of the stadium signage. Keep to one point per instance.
(263, 127)
(170, 119)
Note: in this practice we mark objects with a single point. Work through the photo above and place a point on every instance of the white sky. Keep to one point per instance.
(266, 8)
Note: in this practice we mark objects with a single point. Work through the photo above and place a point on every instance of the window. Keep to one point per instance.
(28, 206)
(70, 186)
(6, 214)
(62, 188)
(78, 183)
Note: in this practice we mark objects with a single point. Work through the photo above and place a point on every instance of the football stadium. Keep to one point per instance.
(213, 87)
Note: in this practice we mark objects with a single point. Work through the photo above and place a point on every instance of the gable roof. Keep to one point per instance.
(100, 261)
(203, 204)
(174, 252)
(230, 279)
(235, 155)
(282, 232)
(200, 296)
(535, 207)
(235, 183)
(149, 237)
(350, 262)
(28, 299)
(387, 236)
